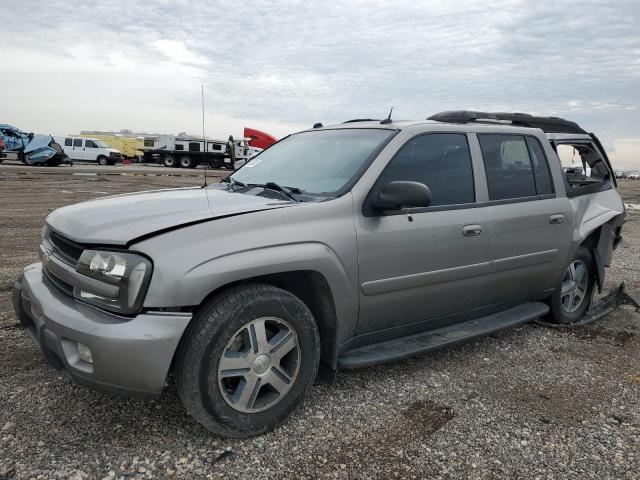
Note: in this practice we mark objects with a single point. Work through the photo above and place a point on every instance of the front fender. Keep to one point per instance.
(200, 281)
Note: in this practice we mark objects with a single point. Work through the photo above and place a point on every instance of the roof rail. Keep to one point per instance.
(355, 120)
(546, 124)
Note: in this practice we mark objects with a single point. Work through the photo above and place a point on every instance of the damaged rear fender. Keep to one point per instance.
(601, 217)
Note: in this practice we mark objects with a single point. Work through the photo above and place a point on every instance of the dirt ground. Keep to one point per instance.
(533, 402)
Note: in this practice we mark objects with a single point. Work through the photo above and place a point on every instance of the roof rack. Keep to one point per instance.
(546, 124)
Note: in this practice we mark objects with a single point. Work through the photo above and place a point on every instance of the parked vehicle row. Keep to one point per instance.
(633, 175)
(338, 247)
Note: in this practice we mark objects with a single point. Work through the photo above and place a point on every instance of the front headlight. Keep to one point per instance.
(129, 272)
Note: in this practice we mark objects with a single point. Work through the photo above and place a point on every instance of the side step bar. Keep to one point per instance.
(405, 347)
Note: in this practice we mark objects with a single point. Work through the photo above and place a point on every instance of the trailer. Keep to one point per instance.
(189, 152)
(129, 144)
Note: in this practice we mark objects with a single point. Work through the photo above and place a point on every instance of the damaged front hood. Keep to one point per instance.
(120, 219)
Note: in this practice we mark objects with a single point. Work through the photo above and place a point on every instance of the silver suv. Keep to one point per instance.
(338, 247)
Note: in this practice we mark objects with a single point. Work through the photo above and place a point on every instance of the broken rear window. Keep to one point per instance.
(584, 168)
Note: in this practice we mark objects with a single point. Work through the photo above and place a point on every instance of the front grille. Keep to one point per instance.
(54, 281)
(70, 250)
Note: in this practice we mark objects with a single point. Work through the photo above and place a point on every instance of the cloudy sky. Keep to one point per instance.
(281, 66)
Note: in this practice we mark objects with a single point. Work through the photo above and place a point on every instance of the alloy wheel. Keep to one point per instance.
(259, 365)
(574, 286)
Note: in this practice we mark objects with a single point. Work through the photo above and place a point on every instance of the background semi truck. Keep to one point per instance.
(187, 151)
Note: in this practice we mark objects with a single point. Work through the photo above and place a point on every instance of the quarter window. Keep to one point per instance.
(508, 166)
(439, 160)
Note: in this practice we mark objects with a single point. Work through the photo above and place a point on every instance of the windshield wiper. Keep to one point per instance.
(287, 191)
(233, 182)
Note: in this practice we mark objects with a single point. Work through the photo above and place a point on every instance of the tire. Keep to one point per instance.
(231, 166)
(186, 162)
(168, 161)
(220, 332)
(102, 160)
(565, 307)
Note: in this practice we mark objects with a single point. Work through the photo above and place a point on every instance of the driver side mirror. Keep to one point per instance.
(402, 194)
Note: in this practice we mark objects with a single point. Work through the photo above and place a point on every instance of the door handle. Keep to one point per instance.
(556, 219)
(471, 230)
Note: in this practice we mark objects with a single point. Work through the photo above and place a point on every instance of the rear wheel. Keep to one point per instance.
(102, 160)
(187, 162)
(571, 299)
(169, 161)
(248, 360)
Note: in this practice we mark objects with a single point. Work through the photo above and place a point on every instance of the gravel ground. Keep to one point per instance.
(532, 402)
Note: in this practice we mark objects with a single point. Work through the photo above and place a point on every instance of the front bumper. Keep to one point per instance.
(130, 355)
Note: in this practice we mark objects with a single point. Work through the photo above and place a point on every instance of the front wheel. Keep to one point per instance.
(571, 299)
(102, 160)
(248, 360)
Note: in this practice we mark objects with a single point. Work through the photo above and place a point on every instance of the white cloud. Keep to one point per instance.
(177, 51)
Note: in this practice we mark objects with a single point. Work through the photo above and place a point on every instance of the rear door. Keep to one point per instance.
(424, 265)
(530, 225)
(78, 149)
(68, 147)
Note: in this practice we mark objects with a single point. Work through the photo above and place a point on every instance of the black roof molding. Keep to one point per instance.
(355, 120)
(546, 124)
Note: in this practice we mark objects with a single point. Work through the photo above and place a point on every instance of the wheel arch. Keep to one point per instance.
(312, 288)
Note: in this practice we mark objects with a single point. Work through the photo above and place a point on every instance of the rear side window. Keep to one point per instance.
(544, 185)
(77, 142)
(439, 160)
(68, 142)
(508, 166)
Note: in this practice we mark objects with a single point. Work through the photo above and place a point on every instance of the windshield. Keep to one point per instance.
(317, 163)
(101, 144)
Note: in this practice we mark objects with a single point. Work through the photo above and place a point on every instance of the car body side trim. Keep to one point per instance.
(425, 279)
(405, 282)
(526, 260)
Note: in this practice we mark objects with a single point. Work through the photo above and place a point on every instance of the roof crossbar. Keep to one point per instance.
(546, 124)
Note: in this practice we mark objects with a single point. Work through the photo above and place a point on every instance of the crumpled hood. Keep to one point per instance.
(119, 219)
(38, 141)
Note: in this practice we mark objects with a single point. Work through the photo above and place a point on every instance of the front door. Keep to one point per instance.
(90, 150)
(418, 268)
